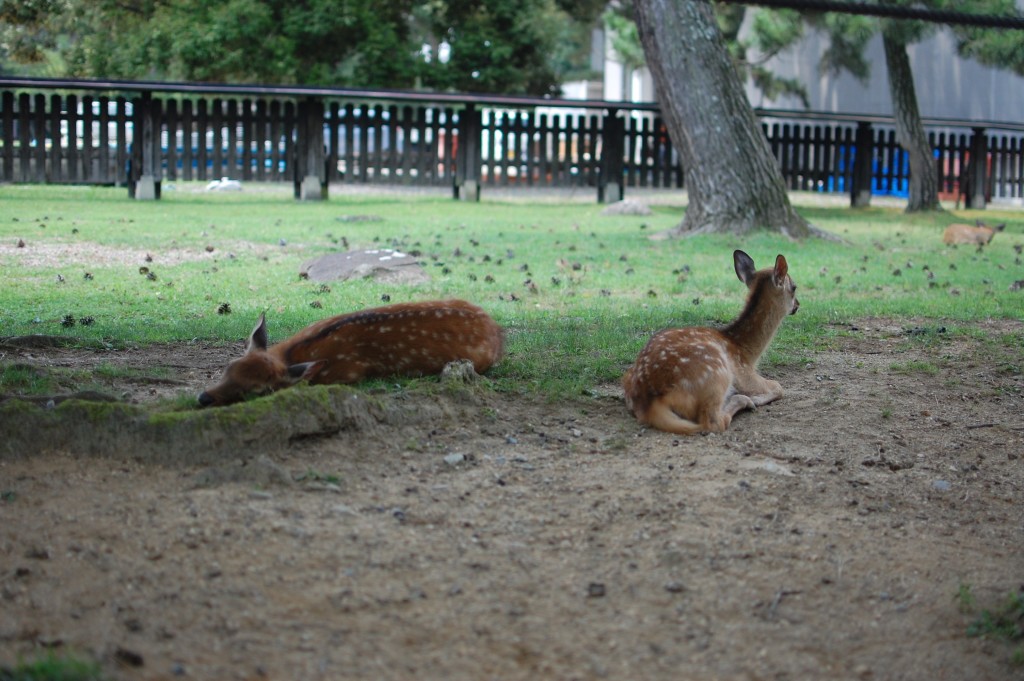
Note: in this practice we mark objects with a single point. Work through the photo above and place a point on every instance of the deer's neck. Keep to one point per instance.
(756, 325)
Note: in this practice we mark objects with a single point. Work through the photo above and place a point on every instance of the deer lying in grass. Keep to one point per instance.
(408, 339)
(696, 379)
(979, 235)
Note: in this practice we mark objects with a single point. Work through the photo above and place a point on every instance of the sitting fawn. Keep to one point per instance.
(696, 379)
(979, 235)
(408, 339)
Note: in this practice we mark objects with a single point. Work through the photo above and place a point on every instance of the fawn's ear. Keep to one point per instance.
(744, 265)
(258, 337)
(305, 370)
(781, 270)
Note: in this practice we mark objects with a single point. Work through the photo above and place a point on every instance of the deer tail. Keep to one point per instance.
(660, 415)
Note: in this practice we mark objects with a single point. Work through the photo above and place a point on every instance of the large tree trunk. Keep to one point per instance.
(733, 181)
(924, 174)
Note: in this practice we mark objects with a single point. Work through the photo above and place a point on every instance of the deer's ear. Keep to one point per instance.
(258, 337)
(304, 370)
(744, 265)
(781, 270)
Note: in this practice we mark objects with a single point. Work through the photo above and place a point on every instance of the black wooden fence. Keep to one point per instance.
(114, 132)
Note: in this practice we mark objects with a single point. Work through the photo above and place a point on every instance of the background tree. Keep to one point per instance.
(772, 33)
(849, 36)
(733, 181)
(521, 46)
(25, 34)
(1002, 49)
(241, 41)
(923, 194)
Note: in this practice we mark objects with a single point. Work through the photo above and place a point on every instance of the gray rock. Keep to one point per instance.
(383, 264)
(627, 207)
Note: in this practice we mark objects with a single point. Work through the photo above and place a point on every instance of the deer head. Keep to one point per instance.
(257, 372)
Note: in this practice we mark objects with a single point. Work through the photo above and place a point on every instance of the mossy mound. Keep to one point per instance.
(204, 436)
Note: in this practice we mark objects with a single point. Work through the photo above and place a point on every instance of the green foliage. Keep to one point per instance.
(848, 37)
(1005, 622)
(523, 46)
(908, 32)
(244, 41)
(22, 379)
(315, 476)
(774, 31)
(625, 39)
(964, 597)
(999, 48)
(51, 667)
(23, 30)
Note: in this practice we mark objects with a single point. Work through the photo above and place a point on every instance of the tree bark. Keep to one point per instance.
(733, 180)
(924, 174)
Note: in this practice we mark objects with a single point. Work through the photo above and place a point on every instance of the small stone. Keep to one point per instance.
(38, 553)
(941, 485)
(128, 658)
(595, 590)
(454, 459)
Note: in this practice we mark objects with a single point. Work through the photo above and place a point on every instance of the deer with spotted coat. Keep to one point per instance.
(695, 379)
(405, 339)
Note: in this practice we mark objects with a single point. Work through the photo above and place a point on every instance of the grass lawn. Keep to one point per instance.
(578, 292)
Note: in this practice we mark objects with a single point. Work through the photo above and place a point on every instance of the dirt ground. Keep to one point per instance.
(822, 537)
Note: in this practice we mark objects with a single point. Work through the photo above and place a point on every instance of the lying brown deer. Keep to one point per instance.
(979, 235)
(695, 379)
(408, 339)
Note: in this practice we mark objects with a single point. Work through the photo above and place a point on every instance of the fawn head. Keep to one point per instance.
(257, 372)
(777, 283)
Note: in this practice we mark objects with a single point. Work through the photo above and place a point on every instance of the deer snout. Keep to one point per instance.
(796, 306)
(206, 399)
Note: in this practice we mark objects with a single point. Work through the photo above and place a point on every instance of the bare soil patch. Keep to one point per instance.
(824, 536)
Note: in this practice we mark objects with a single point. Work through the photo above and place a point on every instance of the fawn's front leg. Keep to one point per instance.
(759, 389)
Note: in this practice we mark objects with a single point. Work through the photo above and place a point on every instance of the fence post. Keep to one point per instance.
(977, 171)
(610, 186)
(863, 155)
(311, 164)
(7, 135)
(143, 183)
(467, 157)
